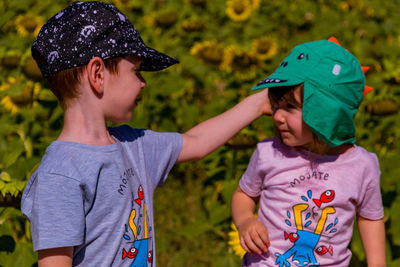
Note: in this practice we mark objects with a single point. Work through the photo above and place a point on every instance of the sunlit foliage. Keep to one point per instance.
(225, 47)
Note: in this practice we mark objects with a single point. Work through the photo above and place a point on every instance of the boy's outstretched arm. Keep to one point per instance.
(253, 234)
(372, 234)
(60, 257)
(207, 136)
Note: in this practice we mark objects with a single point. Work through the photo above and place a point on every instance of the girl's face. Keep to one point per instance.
(288, 119)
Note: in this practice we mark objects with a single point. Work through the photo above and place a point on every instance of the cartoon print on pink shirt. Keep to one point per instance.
(304, 241)
(137, 234)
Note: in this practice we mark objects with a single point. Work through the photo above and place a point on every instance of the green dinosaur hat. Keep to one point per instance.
(333, 88)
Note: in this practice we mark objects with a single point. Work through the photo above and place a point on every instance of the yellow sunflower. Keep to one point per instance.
(255, 4)
(193, 25)
(166, 18)
(121, 4)
(234, 242)
(198, 2)
(239, 10)
(28, 24)
(242, 63)
(210, 52)
(27, 95)
(264, 48)
(11, 59)
(127, 5)
(150, 21)
(10, 82)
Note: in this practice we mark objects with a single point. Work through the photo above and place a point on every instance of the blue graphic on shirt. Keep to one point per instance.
(304, 241)
(139, 251)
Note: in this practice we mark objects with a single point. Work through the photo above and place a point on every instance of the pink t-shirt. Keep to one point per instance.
(308, 202)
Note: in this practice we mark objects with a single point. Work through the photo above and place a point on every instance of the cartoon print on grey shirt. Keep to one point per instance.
(137, 229)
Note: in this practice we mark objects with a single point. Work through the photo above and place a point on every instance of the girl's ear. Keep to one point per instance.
(95, 70)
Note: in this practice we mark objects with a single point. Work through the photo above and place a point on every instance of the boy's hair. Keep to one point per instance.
(333, 88)
(287, 94)
(64, 84)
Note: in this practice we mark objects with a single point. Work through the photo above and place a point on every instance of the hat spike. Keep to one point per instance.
(367, 89)
(333, 39)
(364, 69)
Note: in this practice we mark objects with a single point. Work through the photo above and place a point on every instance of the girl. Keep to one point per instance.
(311, 180)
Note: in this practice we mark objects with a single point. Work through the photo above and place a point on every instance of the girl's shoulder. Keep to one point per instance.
(368, 157)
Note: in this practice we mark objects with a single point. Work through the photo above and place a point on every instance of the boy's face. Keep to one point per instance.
(122, 90)
(288, 119)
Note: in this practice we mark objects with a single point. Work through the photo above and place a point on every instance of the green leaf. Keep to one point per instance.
(23, 256)
(7, 244)
(395, 221)
(11, 157)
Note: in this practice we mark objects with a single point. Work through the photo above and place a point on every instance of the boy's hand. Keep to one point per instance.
(253, 236)
(265, 104)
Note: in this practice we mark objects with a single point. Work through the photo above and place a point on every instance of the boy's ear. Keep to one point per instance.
(95, 70)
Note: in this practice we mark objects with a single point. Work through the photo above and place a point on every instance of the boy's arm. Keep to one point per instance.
(253, 234)
(207, 136)
(372, 234)
(60, 257)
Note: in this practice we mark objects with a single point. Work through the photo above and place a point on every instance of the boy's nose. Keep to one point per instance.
(144, 84)
(142, 80)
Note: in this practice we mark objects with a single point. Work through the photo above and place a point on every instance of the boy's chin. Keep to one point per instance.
(123, 119)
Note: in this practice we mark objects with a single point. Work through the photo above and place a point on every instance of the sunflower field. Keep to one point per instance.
(225, 47)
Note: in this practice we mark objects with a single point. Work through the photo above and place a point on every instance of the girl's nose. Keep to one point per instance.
(278, 116)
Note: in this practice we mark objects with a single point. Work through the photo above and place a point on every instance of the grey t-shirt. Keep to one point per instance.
(99, 199)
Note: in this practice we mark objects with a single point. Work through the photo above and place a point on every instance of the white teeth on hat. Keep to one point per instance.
(268, 81)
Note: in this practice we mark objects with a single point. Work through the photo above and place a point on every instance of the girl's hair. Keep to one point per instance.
(287, 94)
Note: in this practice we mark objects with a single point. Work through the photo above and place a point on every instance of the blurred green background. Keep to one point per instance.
(225, 47)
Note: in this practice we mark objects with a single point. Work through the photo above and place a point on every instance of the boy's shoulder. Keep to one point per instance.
(69, 158)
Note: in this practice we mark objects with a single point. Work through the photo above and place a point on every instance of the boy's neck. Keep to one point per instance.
(81, 126)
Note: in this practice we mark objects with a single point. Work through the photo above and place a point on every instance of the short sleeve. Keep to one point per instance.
(371, 206)
(252, 179)
(54, 206)
(158, 150)
(161, 150)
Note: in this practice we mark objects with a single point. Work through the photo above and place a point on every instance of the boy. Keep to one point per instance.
(90, 201)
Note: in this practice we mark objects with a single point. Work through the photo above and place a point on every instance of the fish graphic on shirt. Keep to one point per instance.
(325, 197)
(322, 250)
(140, 196)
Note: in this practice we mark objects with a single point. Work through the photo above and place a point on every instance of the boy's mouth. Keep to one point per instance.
(138, 99)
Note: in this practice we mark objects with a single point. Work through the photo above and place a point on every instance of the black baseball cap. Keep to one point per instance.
(85, 30)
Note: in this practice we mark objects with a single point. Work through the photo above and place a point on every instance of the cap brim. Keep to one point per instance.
(154, 60)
